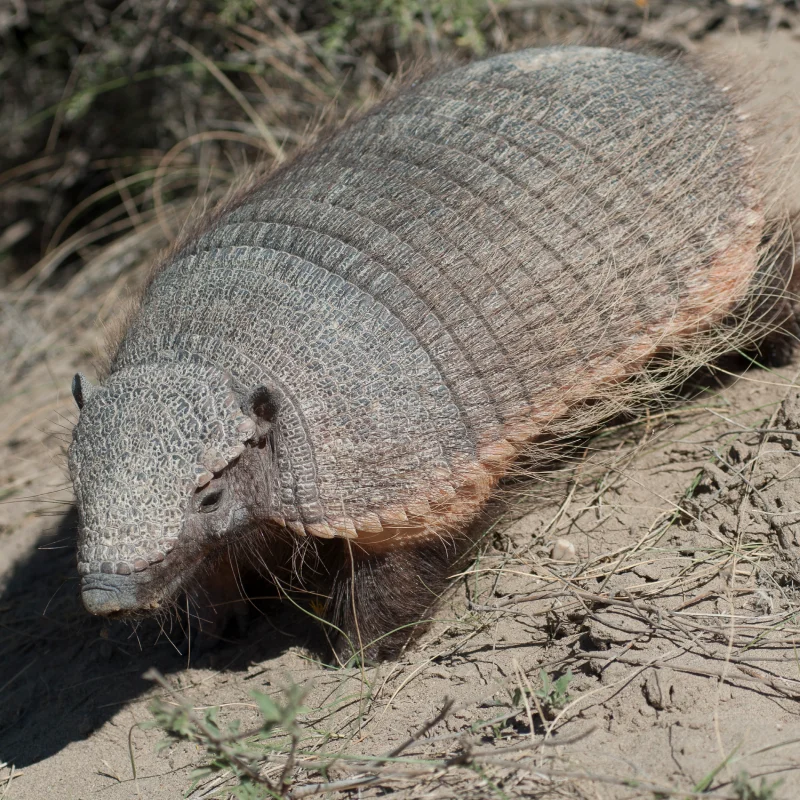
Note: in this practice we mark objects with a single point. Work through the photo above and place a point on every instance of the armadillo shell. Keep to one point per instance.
(470, 263)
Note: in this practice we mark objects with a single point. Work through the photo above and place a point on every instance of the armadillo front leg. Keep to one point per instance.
(380, 601)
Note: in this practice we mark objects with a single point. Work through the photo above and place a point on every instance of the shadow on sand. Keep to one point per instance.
(63, 673)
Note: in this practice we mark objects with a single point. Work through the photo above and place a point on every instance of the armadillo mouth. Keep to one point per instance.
(110, 595)
(117, 588)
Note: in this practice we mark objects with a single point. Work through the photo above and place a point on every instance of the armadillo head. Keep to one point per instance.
(150, 462)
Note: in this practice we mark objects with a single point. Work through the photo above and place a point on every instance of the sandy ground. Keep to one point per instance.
(676, 617)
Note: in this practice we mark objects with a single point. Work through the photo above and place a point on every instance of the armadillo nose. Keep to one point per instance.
(105, 594)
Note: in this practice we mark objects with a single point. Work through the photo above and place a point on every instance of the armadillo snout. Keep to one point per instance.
(108, 594)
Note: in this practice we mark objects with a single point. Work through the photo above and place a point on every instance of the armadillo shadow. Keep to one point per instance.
(63, 673)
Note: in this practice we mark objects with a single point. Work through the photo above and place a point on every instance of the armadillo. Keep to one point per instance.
(341, 364)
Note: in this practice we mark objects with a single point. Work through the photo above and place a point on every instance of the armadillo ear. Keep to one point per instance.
(261, 405)
(82, 390)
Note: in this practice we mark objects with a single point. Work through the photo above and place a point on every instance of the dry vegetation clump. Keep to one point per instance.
(627, 628)
(117, 116)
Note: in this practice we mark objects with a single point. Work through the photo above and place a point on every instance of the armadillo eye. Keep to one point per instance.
(210, 501)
